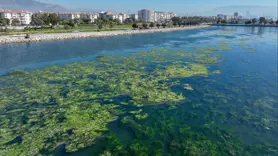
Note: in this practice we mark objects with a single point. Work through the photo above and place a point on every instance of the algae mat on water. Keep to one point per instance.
(73, 104)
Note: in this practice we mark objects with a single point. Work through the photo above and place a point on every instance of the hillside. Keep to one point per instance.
(30, 5)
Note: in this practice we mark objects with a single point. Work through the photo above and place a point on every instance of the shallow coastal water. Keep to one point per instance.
(209, 91)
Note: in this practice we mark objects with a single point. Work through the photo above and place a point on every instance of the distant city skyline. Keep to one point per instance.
(180, 6)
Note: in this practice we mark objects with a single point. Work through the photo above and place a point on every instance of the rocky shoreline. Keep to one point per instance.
(62, 36)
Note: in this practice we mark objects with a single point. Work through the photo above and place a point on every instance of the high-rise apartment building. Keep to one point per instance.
(146, 15)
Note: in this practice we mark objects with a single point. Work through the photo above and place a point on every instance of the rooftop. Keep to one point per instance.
(14, 11)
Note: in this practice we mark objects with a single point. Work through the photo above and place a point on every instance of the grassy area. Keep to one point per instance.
(82, 28)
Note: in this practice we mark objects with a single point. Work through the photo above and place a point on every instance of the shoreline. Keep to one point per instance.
(245, 25)
(64, 36)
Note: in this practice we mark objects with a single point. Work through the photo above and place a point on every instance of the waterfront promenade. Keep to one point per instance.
(73, 35)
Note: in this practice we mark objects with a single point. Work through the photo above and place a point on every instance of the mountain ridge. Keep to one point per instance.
(30, 5)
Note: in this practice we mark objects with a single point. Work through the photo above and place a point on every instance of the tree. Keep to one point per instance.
(164, 25)
(134, 26)
(100, 25)
(77, 21)
(277, 22)
(80, 21)
(111, 24)
(71, 23)
(4, 21)
(105, 22)
(184, 24)
(53, 19)
(271, 22)
(64, 22)
(248, 22)
(254, 20)
(145, 25)
(223, 22)
(15, 22)
(87, 21)
(67, 27)
(45, 19)
(152, 25)
(129, 21)
(158, 25)
(37, 21)
(117, 21)
(262, 20)
(176, 20)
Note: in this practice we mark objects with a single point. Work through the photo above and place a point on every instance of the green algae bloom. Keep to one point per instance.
(72, 104)
(243, 45)
(216, 72)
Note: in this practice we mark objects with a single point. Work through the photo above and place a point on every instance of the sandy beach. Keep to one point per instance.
(74, 35)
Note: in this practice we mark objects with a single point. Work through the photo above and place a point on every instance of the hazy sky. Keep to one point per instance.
(164, 5)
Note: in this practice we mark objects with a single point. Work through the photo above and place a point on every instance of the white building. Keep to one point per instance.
(118, 17)
(124, 16)
(163, 16)
(154, 16)
(110, 15)
(134, 17)
(24, 17)
(170, 15)
(68, 15)
(88, 16)
(39, 13)
(146, 15)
